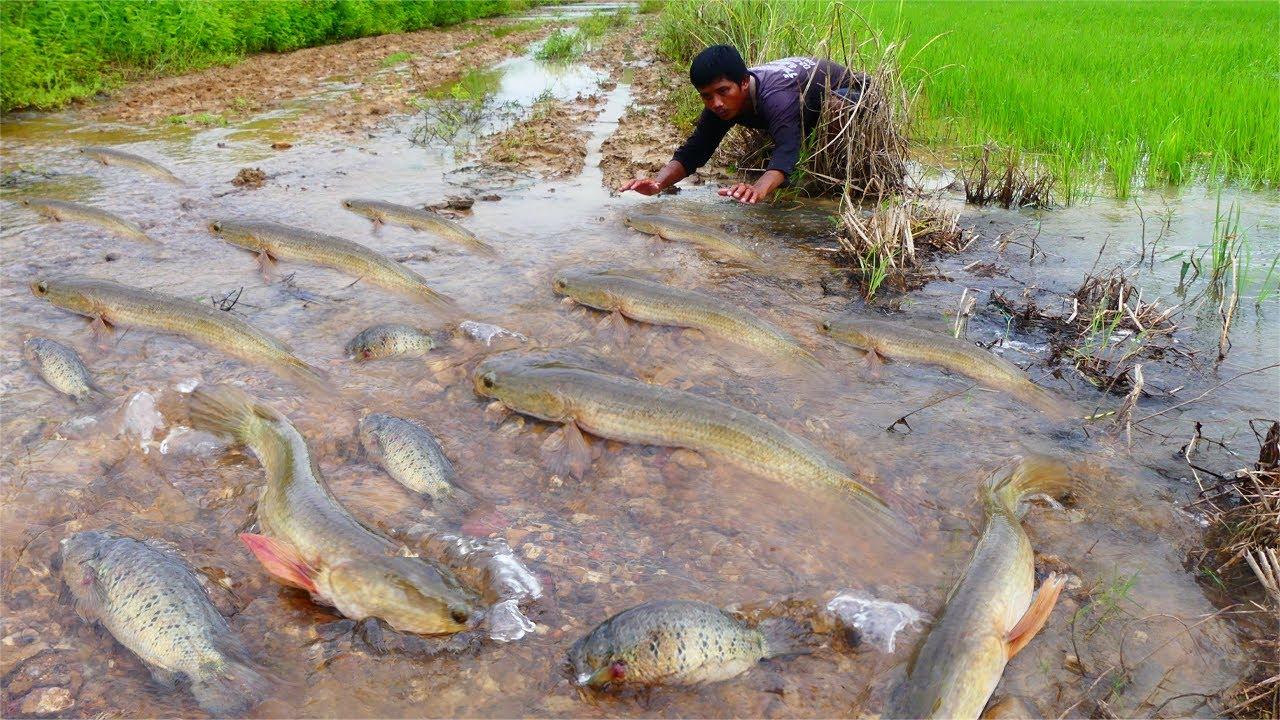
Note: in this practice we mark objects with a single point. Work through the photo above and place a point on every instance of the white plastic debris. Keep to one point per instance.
(492, 563)
(140, 418)
(878, 621)
(486, 333)
(186, 386)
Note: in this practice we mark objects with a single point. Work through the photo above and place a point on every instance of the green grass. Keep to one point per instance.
(396, 58)
(567, 44)
(560, 45)
(56, 51)
(502, 31)
(1111, 95)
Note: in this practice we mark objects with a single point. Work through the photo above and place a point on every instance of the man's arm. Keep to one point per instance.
(693, 154)
(784, 128)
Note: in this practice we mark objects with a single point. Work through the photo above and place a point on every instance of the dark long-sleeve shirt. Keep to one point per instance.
(787, 98)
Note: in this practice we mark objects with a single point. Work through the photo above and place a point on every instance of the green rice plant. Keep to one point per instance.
(1178, 91)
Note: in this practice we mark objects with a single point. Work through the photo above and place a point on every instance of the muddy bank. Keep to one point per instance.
(647, 133)
(373, 77)
(550, 143)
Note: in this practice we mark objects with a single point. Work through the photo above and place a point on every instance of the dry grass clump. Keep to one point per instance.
(1244, 541)
(1105, 327)
(860, 147)
(890, 240)
(1005, 178)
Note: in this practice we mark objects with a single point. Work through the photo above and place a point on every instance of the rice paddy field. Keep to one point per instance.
(1110, 96)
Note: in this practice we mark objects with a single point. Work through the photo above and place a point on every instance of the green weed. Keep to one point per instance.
(396, 58)
(52, 53)
(559, 45)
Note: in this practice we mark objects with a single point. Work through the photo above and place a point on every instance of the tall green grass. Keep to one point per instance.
(56, 51)
(1111, 95)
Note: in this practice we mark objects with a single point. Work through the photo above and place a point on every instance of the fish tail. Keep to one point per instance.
(308, 375)
(226, 410)
(878, 516)
(440, 300)
(1051, 404)
(784, 636)
(230, 688)
(1009, 486)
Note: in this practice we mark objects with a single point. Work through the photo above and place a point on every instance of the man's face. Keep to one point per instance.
(725, 97)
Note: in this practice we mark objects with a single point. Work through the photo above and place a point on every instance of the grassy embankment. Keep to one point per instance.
(52, 53)
(1109, 96)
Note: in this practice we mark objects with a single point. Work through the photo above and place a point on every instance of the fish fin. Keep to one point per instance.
(225, 409)
(615, 326)
(872, 361)
(281, 561)
(377, 225)
(567, 452)
(167, 679)
(1037, 614)
(231, 687)
(102, 332)
(785, 636)
(267, 266)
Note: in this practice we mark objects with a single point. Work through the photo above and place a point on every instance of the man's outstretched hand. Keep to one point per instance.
(743, 193)
(644, 186)
(752, 194)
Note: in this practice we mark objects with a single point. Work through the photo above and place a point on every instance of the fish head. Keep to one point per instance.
(78, 555)
(65, 294)
(370, 429)
(236, 234)
(520, 388)
(594, 661)
(368, 345)
(848, 330)
(361, 207)
(583, 286)
(639, 222)
(408, 593)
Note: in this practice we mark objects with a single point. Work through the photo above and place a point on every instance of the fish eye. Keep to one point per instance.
(459, 616)
(215, 226)
(557, 284)
(487, 380)
(346, 203)
(41, 287)
(826, 325)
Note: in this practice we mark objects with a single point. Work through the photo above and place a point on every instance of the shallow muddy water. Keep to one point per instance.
(646, 523)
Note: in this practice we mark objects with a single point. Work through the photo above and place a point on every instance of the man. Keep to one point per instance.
(783, 98)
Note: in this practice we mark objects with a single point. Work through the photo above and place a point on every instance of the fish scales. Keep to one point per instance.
(347, 565)
(661, 304)
(291, 243)
(621, 408)
(958, 666)
(133, 307)
(149, 599)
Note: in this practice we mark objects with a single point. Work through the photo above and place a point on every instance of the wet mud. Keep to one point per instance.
(1136, 630)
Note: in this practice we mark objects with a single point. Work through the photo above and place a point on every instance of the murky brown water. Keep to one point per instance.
(647, 523)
